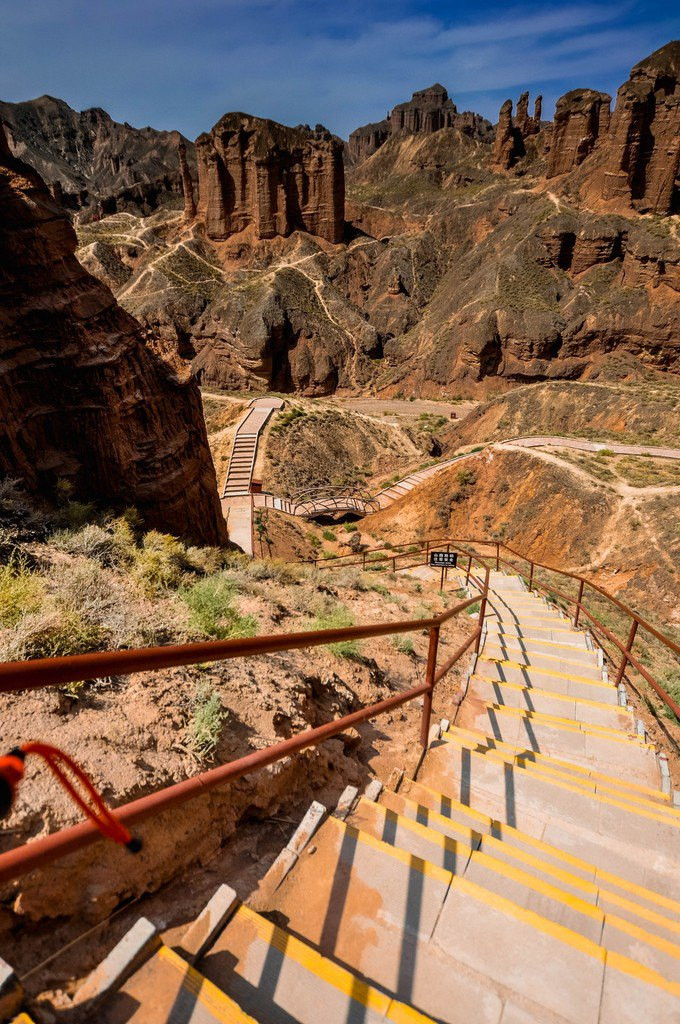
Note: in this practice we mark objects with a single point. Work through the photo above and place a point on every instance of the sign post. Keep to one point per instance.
(443, 560)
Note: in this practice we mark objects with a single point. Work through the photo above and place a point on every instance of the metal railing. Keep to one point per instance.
(47, 672)
(392, 557)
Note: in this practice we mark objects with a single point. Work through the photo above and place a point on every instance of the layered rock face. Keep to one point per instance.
(428, 111)
(254, 172)
(82, 396)
(187, 183)
(581, 116)
(100, 165)
(525, 124)
(643, 149)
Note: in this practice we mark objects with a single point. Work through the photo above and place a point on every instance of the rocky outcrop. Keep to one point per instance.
(364, 141)
(187, 182)
(643, 149)
(260, 174)
(428, 111)
(524, 123)
(508, 146)
(82, 396)
(102, 166)
(581, 116)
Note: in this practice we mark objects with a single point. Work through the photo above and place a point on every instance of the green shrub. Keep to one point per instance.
(329, 535)
(62, 632)
(473, 609)
(403, 644)
(350, 527)
(337, 617)
(21, 592)
(209, 601)
(160, 563)
(206, 722)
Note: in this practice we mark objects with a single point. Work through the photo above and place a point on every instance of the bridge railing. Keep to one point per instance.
(49, 672)
(585, 600)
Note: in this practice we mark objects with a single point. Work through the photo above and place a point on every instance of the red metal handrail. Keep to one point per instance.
(47, 672)
(637, 621)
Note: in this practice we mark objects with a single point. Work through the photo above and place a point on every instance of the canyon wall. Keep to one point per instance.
(82, 396)
(254, 172)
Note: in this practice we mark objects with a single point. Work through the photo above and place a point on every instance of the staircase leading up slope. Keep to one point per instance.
(528, 873)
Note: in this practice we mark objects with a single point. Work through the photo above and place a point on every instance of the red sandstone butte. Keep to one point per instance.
(581, 116)
(255, 172)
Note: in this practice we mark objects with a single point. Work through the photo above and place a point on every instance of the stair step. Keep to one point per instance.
(537, 662)
(167, 988)
(599, 782)
(599, 827)
(437, 809)
(554, 894)
(535, 698)
(277, 978)
(446, 944)
(559, 634)
(574, 651)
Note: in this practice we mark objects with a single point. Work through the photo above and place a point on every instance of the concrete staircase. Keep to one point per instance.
(244, 448)
(527, 873)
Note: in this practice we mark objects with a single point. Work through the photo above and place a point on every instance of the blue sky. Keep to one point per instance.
(183, 63)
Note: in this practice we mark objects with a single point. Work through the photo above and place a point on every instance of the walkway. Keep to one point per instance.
(594, 446)
(526, 871)
(236, 500)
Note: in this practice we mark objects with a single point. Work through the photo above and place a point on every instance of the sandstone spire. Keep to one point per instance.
(508, 146)
(187, 182)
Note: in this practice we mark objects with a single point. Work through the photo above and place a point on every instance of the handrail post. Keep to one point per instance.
(363, 560)
(482, 609)
(629, 645)
(427, 551)
(578, 603)
(467, 574)
(429, 679)
(394, 563)
(531, 577)
(498, 556)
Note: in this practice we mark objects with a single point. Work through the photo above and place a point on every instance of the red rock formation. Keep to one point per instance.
(187, 182)
(538, 108)
(364, 141)
(508, 145)
(643, 151)
(82, 396)
(581, 116)
(427, 111)
(522, 120)
(257, 172)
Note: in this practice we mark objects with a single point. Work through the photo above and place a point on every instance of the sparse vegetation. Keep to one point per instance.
(206, 723)
(337, 616)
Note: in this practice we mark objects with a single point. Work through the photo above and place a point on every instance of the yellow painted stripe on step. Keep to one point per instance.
(23, 1018)
(614, 960)
(328, 971)
(432, 836)
(538, 885)
(409, 859)
(560, 874)
(549, 771)
(644, 912)
(602, 879)
(530, 917)
(400, 1013)
(539, 692)
(539, 640)
(540, 629)
(636, 932)
(534, 755)
(636, 970)
(539, 654)
(554, 673)
(633, 808)
(217, 1002)
(569, 724)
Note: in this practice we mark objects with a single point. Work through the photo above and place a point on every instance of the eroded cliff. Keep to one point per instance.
(83, 397)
